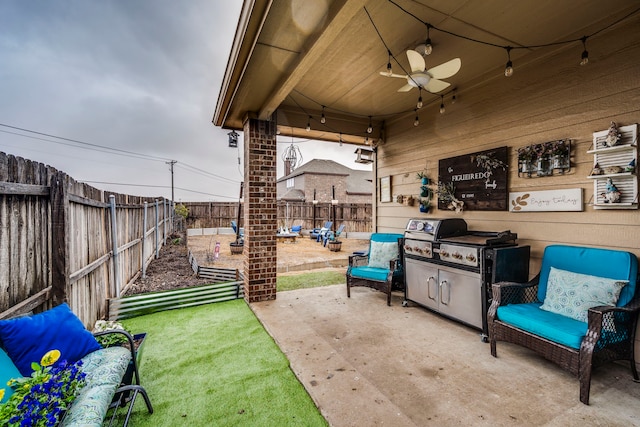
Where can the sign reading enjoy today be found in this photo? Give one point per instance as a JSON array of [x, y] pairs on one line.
[[568, 200]]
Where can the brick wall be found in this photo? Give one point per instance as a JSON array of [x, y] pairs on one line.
[[260, 210]]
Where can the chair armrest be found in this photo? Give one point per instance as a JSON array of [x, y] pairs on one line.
[[131, 347], [358, 260], [512, 293], [611, 325]]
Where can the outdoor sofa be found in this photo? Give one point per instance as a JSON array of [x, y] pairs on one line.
[[579, 312], [112, 378]]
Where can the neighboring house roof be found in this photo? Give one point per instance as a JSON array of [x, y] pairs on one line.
[[319, 166], [359, 182], [293, 195]]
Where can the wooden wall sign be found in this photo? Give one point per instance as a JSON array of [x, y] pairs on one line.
[[480, 179], [567, 200]]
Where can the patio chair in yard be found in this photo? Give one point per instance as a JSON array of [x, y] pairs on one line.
[[381, 268], [330, 235], [317, 233], [235, 229]]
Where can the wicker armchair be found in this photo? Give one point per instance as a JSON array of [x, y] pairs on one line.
[[381, 268], [608, 334]]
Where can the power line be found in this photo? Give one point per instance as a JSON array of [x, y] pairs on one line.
[[156, 186], [150, 157]]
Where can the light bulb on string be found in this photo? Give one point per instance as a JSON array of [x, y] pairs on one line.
[[419, 104], [508, 69], [370, 128], [416, 122], [453, 98], [428, 48], [441, 104], [323, 119], [309, 124], [585, 54], [389, 70]]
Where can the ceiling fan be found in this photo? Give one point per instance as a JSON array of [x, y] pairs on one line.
[[426, 79]]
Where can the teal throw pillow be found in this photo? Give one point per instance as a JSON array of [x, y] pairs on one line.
[[27, 339], [573, 294], [381, 253]]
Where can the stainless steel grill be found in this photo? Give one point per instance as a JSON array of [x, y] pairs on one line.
[[449, 269]]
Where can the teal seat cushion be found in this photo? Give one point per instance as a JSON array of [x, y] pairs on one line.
[[8, 371], [552, 326], [370, 273], [105, 369]]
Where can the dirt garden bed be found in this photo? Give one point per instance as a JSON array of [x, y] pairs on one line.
[[172, 269]]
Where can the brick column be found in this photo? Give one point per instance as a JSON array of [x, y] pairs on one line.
[[260, 210]]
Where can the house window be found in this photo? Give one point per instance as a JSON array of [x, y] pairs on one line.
[[290, 182]]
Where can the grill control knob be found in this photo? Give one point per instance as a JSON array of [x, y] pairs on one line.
[[427, 252], [457, 255], [407, 248], [418, 249], [471, 258], [444, 254]]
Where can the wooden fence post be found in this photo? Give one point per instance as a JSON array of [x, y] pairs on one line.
[[114, 243], [164, 221], [144, 240], [157, 236], [59, 237]]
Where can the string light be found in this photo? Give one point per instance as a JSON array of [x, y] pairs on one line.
[[441, 104], [389, 70], [453, 98], [323, 119], [309, 124], [416, 122], [370, 128], [585, 54], [427, 44], [419, 104], [508, 69]]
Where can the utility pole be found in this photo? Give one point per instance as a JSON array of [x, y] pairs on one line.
[[171, 163]]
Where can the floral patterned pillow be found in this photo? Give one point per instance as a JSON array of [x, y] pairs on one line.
[[573, 294], [381, 253]]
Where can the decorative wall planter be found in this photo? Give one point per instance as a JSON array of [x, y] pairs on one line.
[[546, 159]]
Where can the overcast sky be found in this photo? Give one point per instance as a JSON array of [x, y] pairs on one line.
[[140, 76]]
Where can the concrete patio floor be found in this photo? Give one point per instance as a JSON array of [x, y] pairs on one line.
[[367, 364]]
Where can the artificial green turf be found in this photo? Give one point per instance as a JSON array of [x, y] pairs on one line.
[[215, 365], [309, 280]]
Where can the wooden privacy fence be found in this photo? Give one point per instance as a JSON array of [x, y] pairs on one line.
[[355, 216], [61, 240]]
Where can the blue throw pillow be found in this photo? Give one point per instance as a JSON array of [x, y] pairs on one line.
[[27, 339], [8, 371]]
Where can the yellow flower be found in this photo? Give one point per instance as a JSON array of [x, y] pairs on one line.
[[50, 358], [1, 393]]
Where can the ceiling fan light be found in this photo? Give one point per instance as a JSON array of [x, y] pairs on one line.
[[421, 49], [508, 69]]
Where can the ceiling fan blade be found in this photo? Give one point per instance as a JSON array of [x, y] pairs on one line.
[[445, 70], [384, 73], [436, 85], [416, 61], [405, 88]]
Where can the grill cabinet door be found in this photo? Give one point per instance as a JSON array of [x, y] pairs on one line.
[[461, 295], [422, 283]]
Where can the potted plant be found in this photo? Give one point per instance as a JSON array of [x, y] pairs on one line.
[[425, 205], [560, 153], [422, 176], [526, 157], [334, 245]]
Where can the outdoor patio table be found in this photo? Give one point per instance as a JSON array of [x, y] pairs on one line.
[[287, 237]]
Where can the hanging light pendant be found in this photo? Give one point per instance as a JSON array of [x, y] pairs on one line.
[[370, 128], [416, 122], [309, 124], [508, 69], [323, 119], [441, 104], [389, 70], [585, 53]]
